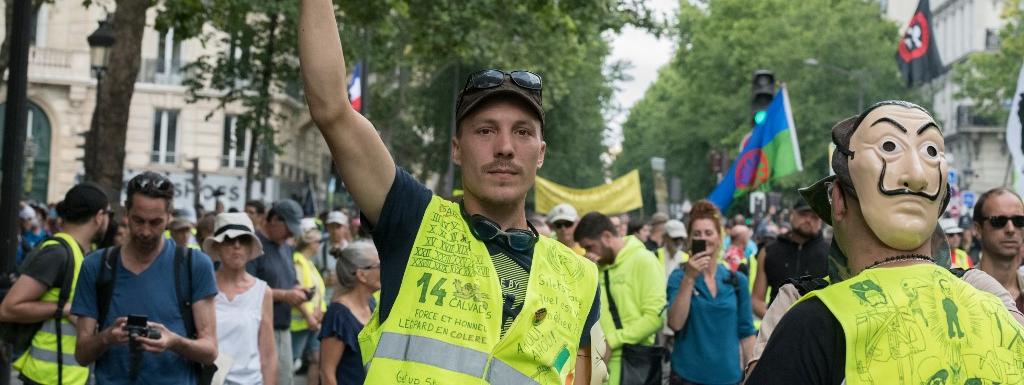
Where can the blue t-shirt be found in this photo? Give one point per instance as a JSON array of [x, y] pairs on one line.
[[396, 231], [277, 268], [152, 294], [707, 348], [340, 323]]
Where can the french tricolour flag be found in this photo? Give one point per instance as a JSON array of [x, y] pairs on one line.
[[355, 88]]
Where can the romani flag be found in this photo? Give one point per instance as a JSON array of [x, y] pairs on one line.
[[355, 88], [771, 151], [917, 55]]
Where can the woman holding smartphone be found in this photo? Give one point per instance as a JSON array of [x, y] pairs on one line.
[[709, 308]]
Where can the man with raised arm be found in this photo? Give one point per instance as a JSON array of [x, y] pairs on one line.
[[469, 293]]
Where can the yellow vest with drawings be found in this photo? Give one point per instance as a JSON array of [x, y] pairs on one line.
[[39, 362], [307, 276], [920, 324], [445, 325]]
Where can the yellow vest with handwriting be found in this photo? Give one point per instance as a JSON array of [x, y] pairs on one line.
[[920, 324], [39, 362], [445, 325]]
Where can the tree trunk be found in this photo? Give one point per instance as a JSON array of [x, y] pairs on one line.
[[105, 142], [263, 132]]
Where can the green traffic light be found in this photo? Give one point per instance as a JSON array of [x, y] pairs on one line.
[[759, 116]]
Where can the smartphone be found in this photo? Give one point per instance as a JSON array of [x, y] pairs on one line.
[[697, 246]]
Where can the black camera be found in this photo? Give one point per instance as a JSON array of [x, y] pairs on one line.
[[138, 326]]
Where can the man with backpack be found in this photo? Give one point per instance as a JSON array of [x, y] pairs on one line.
[[36, 307], [146, 310]]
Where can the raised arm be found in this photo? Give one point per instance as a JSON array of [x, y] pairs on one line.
[[360, 156], [757, 297]]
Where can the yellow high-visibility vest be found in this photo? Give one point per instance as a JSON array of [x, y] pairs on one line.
[[920, 324], [308, 276], [39, 362], [445, 325]]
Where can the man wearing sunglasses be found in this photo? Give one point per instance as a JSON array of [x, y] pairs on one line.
[[562, 219], [999, 223], [469, 293]]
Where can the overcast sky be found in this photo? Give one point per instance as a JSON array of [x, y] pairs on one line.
[[645, 54]]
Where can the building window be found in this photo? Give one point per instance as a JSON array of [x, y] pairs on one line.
[[236, 144], [168, 58], [165, 134], [991, 39]]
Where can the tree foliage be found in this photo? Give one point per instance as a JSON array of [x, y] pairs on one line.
[[989, 78], [701, 99], [418, 54]]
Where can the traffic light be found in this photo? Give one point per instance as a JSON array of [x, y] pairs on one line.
[[763, 92]]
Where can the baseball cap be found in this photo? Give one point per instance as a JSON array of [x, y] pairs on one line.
[[82, 201], [472, 97], [178, 224], [337, 217], [675, 229], [231, 226], [308, 224], [950, 226], [801, 205], [659, 218], [562, 212], [291, 214]]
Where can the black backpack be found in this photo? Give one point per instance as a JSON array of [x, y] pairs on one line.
[[182, 260], [20, 335]]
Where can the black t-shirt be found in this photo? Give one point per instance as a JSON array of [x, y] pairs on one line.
[[785, 259], [46, 265], [807, 347], [396, 231]]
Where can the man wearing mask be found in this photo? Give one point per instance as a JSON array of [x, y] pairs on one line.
[[798, 253], [672, 254], [46, 272]]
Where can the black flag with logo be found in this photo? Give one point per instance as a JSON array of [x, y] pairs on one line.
[[917, 55]]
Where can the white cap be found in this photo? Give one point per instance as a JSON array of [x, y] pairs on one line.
[[27, 213], [307, 224], [675, 229], [231, 226], [337, 217], [950, 226], [562, 212]]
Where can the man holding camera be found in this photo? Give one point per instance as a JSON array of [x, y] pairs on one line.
[[163, 291]]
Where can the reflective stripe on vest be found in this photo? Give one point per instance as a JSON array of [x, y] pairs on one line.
[[920, 323], [503, 374], [66, 330], [51, 356], [432, 352]]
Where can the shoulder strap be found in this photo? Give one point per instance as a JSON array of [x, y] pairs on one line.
[[105, 283], [807, 284], [184, 295], [69, 275], [958, 272], [611, 301]]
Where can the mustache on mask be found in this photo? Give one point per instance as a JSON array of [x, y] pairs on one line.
[[906, 191]]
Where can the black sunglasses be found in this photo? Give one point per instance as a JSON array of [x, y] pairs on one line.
[[562, 224], [492, 78], [487, 230], [999, 221], [149, 183]]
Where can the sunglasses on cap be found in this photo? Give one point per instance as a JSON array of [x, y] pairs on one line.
[[999, 221], [491, 78], [487, 230], [150, 182]]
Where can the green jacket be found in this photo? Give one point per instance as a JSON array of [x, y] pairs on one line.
[[638, 286]]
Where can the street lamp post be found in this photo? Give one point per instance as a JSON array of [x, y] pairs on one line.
[[100, 42], [854, 75]]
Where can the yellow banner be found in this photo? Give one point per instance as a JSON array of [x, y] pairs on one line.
[[619, 196]]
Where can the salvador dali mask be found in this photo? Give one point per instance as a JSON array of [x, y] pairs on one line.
[[898, 170]]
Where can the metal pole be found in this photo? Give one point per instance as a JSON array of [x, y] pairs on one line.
[[12, 161], [196, 189]]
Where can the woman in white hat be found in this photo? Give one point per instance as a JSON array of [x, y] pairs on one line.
[[245, 330]]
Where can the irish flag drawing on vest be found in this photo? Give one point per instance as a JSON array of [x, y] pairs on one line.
[[771, 151]]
